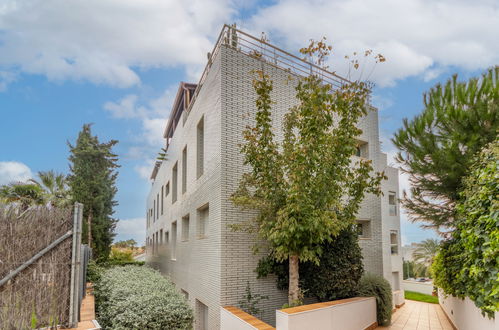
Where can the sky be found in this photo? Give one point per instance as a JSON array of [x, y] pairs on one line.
[[117, 64]]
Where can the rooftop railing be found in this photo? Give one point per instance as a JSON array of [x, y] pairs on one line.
[[264, 51]]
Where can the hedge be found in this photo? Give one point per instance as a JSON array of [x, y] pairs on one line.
[[133, 297], [372, 285]]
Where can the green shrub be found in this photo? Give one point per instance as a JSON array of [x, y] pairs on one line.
[[467, 265], [132, 297], [335, 277], [371, 285], [93, 271]]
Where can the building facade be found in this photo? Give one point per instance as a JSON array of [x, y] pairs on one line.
[[189, 211]]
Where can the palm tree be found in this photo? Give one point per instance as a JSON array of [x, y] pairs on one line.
[[24, 194], [54, 186], [424, 253]]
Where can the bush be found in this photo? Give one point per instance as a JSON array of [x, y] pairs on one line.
[[467, 264], [337, 275], [376, 286], [132, 297]]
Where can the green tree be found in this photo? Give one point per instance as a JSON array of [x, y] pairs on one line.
[[93, 182], [23, 194], [467, 265], [305, 189], [438, 146], [129, 243], [54, 186], [423, 255]]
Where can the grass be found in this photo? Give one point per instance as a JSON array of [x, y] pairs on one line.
[[411, 295]]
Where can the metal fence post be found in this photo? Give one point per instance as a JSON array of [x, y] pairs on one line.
[[74, 305]]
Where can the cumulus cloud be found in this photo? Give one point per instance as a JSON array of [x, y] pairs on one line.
[[14, 172], [105, 41], [418, 37], [131, 229]]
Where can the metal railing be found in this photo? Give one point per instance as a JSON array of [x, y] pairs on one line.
[[264, 51]]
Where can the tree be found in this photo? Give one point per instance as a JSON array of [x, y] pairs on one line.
[[305, 189], [336, 276], [424, 253], [129, 243], [54, 186], [93, 182], [437, 147], [467, 264], [24, 194]]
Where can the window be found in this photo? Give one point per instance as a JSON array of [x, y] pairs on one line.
[[185, 228], [157, 205], [154, 215], [185, 293], [394, 246], [162, 195], [167, 237], [184, 170], [364, 228], [202, 221], [362, 150], [200, 148], [201, 316], [161, 237], [174, 183], [392, 203], [167, 189], [174, 241]]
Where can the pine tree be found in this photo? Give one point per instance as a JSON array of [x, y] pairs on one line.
[[438, 146], [93, 182]]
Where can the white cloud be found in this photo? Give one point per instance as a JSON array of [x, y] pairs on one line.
[[14, 172], [131, 229], [105, 41], [418, 37]]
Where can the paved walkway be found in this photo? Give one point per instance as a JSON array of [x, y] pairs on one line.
[[87, 313], [415, 315]]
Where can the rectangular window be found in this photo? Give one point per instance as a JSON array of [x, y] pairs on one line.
[[167, 237], [185, 228], [394, 246], [184, 170], [161, 237], [362, 149], [154, 208], [202, 221], [174, 241], [200, 148], [167, 189], [162, 199], [157, 205], [392, 203], [201, 316], [174, 182], [364, 228]]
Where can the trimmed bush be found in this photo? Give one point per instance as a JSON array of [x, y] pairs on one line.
[[132, 297], [371, 285]]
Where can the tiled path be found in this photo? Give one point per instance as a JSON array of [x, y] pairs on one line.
[[87, 313], [415, 315]]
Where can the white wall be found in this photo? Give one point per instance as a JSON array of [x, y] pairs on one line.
[[465, 315], [229, 321], [351, 315], [421, 287]]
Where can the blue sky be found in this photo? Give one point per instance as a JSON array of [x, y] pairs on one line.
[[117, 64]]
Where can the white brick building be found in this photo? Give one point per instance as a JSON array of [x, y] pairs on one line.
[[189, 207]]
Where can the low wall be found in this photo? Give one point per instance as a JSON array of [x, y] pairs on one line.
[[398, 298], [346, 314], [232, 318], [465, 315], [421, 287]]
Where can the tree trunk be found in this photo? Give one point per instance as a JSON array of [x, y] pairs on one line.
[[294, 289], [89, 225]]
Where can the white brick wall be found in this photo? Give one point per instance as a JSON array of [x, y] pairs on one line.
[[215, 269]]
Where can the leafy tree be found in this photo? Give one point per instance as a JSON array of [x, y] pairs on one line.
[[24, 194], [437, 147], [305, 189], [468, 263], [424, 253], [129, 243], [54, 186], [336, 276], [92, 182]]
